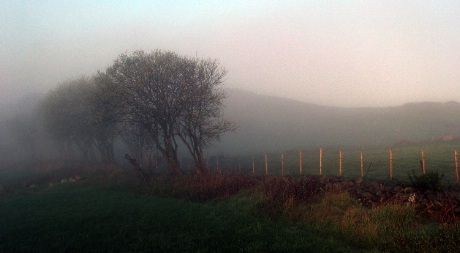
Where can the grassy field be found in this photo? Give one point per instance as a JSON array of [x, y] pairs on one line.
[[86, 218], [106, 210], [439, 157]]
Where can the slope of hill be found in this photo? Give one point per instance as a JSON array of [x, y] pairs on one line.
[[268, 123]]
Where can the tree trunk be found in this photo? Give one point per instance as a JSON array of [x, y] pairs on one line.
[[200, 164], [170, 153]]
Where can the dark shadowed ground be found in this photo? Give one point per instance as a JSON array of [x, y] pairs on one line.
[[83, 218]]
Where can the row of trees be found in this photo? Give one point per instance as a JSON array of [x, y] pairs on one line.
[[153, 102]]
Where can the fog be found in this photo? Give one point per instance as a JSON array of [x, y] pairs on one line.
[[343, 53], [229, 125], [310, 63]]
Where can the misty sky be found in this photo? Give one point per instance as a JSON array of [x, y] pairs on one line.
[[346, 53]]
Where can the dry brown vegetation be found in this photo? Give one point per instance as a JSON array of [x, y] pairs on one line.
[[386, 215]]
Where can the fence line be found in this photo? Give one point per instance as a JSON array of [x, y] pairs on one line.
[[282, 164], [341, 163], [390, 163], [300, 162], [266, 164], [423, 161], [354, 163], [253, 166], [457, 172], [321, 156]]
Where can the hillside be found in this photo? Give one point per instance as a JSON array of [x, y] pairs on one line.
[[268, 123]]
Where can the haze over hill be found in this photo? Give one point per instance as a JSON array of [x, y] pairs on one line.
[[267, 123], [328, 53]]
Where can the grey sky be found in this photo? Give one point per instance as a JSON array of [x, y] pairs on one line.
[[346, 53]]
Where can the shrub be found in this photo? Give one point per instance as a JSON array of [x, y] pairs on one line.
[[429, 181], [282, 189], [331, 208], [281, 195]]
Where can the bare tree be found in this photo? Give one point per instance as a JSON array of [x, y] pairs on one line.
[[106, 113], [202, 121], [85, 113], [153, 100], [153, 96], [67, 115], [167, 98], [138, 142]]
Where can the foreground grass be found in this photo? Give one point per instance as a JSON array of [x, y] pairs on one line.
[[389, 227], [85, 218], [105, 212]]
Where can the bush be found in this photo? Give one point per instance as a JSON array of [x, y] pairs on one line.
[[282, 189], [283, 194], [429, 181]]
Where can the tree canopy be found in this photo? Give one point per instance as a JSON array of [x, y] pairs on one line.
[[153, 101]]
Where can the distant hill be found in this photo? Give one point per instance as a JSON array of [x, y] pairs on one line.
[[269, 123]]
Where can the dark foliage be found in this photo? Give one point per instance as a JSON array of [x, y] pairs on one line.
[[282, 189], [430, 181], [285, 192]]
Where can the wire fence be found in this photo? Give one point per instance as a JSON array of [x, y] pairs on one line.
[[391, 163]]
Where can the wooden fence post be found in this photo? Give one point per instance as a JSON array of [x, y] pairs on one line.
[[390, 163], [423, 161], [253, 166], [266, 164], [340, 163], [362, 164], [282, 164], [217, 165], [320, 161], [300, 162], [457, 172]]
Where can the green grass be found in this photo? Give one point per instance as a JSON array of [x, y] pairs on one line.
[[85, 218], [97, 214], [439, 157]]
